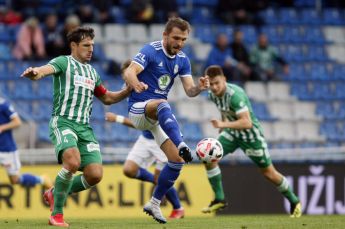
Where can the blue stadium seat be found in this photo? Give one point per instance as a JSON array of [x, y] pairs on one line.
[[272, 33], [339, 72], [191, 131], [310, 17], [318, 71], [270, 16], [314, 35], [43, 132], [205, 33], [292, 34], [316, 53], [294, 53], [332, 17], [289, 16]]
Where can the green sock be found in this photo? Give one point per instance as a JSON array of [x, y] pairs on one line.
[[285, 189], [215, 179], [63, 184], [79, 184]]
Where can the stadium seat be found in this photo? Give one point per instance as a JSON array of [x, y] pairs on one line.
[[156, 32], [310, 17], [116, 51], [288, 16], [136, 33], [256, 91], [281, 110], [133, 49], [201, 50], [268, 131], [279, 91], [115, 33], [305, 111], [209, 111], [285, 131], [332, 16], [188, 108]]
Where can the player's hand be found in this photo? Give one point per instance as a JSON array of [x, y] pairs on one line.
[[110, 117], [31, 73], [140, 87], [204, 83], [217, 123]]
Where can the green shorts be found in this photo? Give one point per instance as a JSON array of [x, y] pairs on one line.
[[68, 134], [256, 150]]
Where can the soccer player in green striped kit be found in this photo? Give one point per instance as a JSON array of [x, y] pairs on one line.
[[240, 129], [75, 84]]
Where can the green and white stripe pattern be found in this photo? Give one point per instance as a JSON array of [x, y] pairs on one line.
[[233, 102], [74, 85]]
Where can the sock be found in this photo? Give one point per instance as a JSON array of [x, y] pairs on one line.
[[63, 184], [285, 189], [167, 178], [215, 179], [79, 184], [168, 123], [144, 175], [173, 198], [29, 180]]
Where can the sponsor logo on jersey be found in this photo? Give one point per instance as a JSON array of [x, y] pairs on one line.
[[164, 81], [140, 57], [92, 147], [81, 81], [160, 64]]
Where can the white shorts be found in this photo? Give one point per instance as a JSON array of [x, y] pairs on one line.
[[10, 160], [141, 122], [145, 152]]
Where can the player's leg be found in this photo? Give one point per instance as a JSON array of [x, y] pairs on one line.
[[139, 159], [13, 165], [160, 110], [214, 175], [258, 153], [64, 138], [91, 162], [171, 195], [282, 185]]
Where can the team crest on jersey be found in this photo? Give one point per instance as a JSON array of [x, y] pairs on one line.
[[176, 69], [164, 81]]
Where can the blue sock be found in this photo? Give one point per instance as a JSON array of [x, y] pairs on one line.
[[29, 180], [168, 123], [167, 178], [144, 175], [173, 198]]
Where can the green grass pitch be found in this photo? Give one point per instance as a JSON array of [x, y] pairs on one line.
[[231, 221]]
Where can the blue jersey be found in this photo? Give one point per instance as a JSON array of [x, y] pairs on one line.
[[7, 143], [147, 134], [159, 71]]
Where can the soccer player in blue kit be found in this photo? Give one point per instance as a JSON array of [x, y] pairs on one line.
[[151, 75], [9, 157]]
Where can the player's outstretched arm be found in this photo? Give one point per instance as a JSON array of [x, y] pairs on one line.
[[130, 75], [193, 90], [243, 122], [112, 117], [111, 97], [36, 73]]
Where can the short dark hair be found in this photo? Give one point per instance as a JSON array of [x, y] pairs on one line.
[[177, 22], [125, 65], [214, 70], [80, 33]]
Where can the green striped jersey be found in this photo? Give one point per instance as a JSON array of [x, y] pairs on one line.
[[74, 85], [233, 102]]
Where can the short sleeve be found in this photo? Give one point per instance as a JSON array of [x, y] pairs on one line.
[[144, 56], [238, 103], [186, 69], [59, 64], [9, 110]]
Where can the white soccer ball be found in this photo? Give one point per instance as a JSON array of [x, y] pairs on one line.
[[209, 150]]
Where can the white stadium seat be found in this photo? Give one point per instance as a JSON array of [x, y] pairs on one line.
[[256, 91]]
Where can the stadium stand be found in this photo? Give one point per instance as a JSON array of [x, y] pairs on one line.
[[305, 107]]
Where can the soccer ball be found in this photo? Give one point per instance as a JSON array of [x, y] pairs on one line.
[[209, 150]]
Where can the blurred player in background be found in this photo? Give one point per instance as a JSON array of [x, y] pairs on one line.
[[144, 153], [151, 75], [9, 156], [240, 129], [75, 84]]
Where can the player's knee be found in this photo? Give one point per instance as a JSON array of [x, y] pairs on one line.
[[94, 178], [129, 171]]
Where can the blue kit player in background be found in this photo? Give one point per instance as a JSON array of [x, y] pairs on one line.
[[151, 75], [9, 157]]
